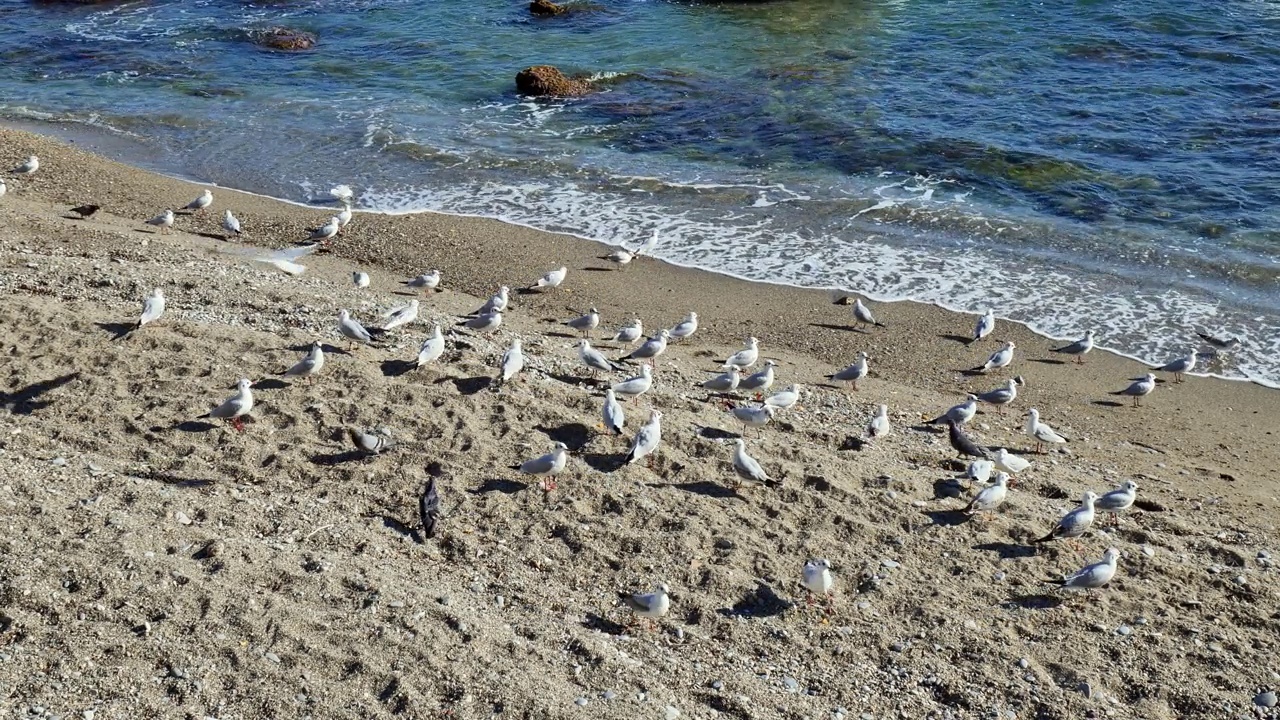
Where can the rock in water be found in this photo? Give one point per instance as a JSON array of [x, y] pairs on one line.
[[546, 8], [548, 81], [282, 38]]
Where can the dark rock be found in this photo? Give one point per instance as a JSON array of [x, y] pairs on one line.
[[546, 8], [282, 38], [548, 81]]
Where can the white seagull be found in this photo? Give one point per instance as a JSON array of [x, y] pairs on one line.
[[686, 327], [647, 439], [164, 220], [200, 203], [986, 324], [230, 223], [235, 407], [551, 279], [432, 348], [1079, 348], [1041, 431], [152, 308], [1000, 358], [309, 365], [1139, 389], [746, 357]]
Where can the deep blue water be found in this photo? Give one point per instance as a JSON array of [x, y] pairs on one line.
[[1075, 165]]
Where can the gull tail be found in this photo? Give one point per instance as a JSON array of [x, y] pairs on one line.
[[1047, 538]]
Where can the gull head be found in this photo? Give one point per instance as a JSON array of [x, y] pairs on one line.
[[1150, 377], [1089, 334], [752, 342], [1089, 497], [1130, 485], [1034, 415], [820, 562], [655, 414], [1002, 479], [344, 315], [664, 333], [243, 385], [692, 316], [516, 344], [1111, 555], [559, 447], [1009, 345], [884, 409], [662, 588]]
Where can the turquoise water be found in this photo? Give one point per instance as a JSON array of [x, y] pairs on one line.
[[1080, 165]]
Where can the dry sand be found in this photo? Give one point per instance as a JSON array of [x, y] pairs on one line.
[[157, 565]]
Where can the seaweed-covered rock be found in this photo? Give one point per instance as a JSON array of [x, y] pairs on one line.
[[282, 38], [548, 81], [546, 8]]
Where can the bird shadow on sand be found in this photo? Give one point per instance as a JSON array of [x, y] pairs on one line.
[[499, 485], [25, 400], [704, 488], [469, 386], [713, 433], [1108, 403], [117, 331], [599, 269], [396, 368], [947, 518], [211, 236], [970, 372], [1034, 601], [947, 488], [603, 624], [575, 380], [759, 603], [326, 347], [852, 443], [339, 458], [558, 334], [1007, 551], [604, 462], [174, 480], [527, 291], [962, 339], [394, 524], [270, 384], [573, 435], [1047, 361], [846, 328], [193, 426]]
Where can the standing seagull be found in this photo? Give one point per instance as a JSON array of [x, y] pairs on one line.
[[547, 466], [1092, 576], [1001, 396], [486, 323], [958, 414], [650, 606], [352, 330], [512, 362], [748, 468], [152, 308], [593, 358], [427, 281], [231, 224], [1000, 358], [1139, 389], [308, 366], [1006, 461], [1180, 366], [863, 315], [200, 203], [324, 232], [785, 398], [401, 316], [27, 168], [1118, 500], [652, 348], [686, 327], [746, 357], [628, 334], [620, 257], [636, 386], [817, 578], [646, 441], [990, 497], [344, 216], [756, 416], [585, 323], [724, 382], [853, 373], [1041, 431], [432, 348], [236, 407], [1075, 523], [164, 221], [360, 279], [614, 418], [1079, 348], [879, 425], [497, 303], [986, 324], [760, 381], [551, 280]]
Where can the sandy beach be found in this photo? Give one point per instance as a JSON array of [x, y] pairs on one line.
[[155, 564]]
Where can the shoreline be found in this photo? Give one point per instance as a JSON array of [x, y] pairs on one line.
[[92, 132], [276, 572]]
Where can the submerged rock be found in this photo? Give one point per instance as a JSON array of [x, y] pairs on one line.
[[546, 8], [282, 38], [547, 80]]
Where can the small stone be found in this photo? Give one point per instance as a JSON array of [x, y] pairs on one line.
[[671, 713], [88, 714], [889, 563], [1124, 630], [1086, 690], [897, 647], [581, 702], [1241, 580], [864, 605], [59, 461], [609, 695], [1024, 663], [1266, 699], [182, 518], [717, 684], [445, 600], [1141, 621], [790, 684], [272, 657], [1148, 551], [1264, 555]]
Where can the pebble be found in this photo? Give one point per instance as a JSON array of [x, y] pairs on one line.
[[864, 605], [272, 657], [889, 563], [1124, 630], [59, 461], [396, 604], [791, 684], [1140, 621], [717, 684], [672, 713], [1266, 699], [445, 600], [1024, 663], [609, 695], [182, 518], [581, 702], [1264, 555], [501, 601], [1086, 690], [1148, 551]]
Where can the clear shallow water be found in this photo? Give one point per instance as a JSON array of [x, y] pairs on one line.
[[1090, 165]]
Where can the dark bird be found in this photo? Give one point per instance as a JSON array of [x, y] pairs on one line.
[[429, 508], [1221, 343], [85, 211], [963, 445]]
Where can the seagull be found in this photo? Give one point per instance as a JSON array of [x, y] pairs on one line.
[[84, 211], [785, 398], [593, 358], [649, 605], [551, 279], [512, 362], [754, 415], [5, 188], [344, 216], [1008, 462], [369, 443], [759, 381], [352, 330], [1000, 358], [686, 327], [284, 260], [1139, 389], [1075, 523], [853, 373], [817, 578], [341, 193], [1118, 500], [429, 508], [958, 414], [30, 166], [725, 382], [748, 468], [986, 324], [746, 357], [585, 323], [401, 316], [1001, 396], [979, 470], [200, 203], [636, 386], [1079, 348], [879, 425], [989, 498], [628, 334], [231, 224], [432, 348], [236, 407], [324, 232], [963, 444], [614, 419], [488, 322], [360, 279], [428, 281], [648, 245], [652, 348], [547, 466], [1092, 576], [863, 315], [1041, 431], [1220, 343], [164, 220], [497, 303], [647, 439], [1179, 366], [308, 365], [620, 257], [152, 308]]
